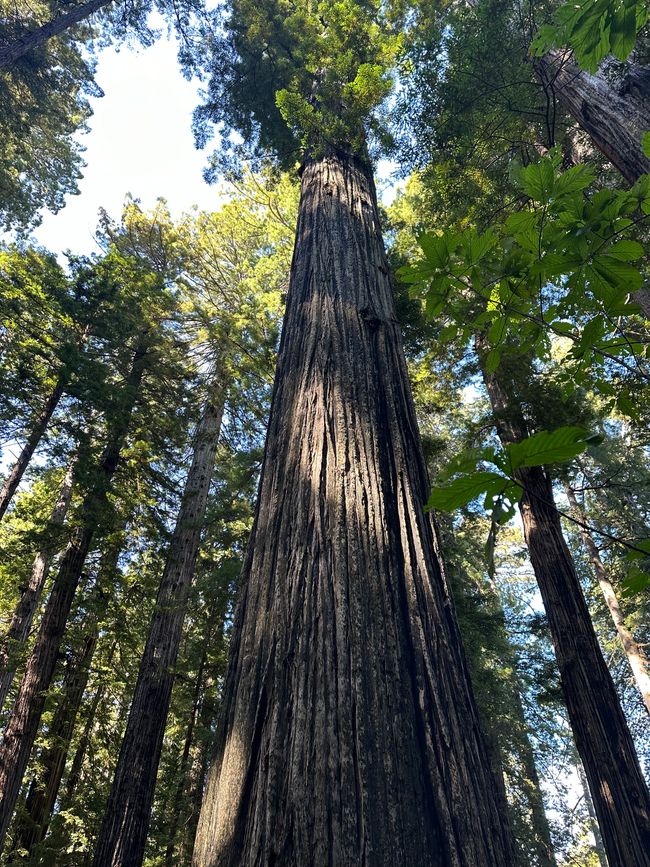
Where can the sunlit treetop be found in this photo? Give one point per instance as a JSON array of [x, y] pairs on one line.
[[297, 76]]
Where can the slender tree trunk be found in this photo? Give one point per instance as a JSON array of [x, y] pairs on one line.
[[23, 616], [13, 51], [591, 812], [602, 737], [634, 652], [74, 775], [123, 834], [349, 734], [183, 766], [38, 429], [614, 123], [531, 786], [44, 788], [22, 728]]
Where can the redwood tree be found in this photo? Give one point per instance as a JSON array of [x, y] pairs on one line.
[[22, 727], [348, 732], [618, 789], [123, 834]]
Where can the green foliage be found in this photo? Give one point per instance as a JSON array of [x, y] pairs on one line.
[[594, 29], [537, 450], [561, 270], [295, 77], [44, 105]]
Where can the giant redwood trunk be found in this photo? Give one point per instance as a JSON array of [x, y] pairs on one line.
[[349, 735], [13, 51], [22, 728], [615, 123], [633, 650], [603, 740], [23, 616], [39, 425], [123, 833]]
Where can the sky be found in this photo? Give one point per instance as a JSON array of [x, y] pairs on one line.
[[140, 142]]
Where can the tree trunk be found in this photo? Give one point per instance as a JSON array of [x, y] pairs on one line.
[[196, 781], [183, 766], [591, 812], [23, 616], [614, 123], [22, 727], [601, 734], [44, 788], [349, 734], [13, 51], [634, 652], [76, 765], [123, 834], [530, 784], [38, 429]]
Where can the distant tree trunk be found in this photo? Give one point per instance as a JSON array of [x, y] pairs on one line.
[[602, 737], [196, 783], [591, 812], [23, 616], [44, 788], [634, 652], [532, 789], [22, 727], [123, 834], [13, 51], [614, 123], [349, 734], [183, 766], [38, 429], [74, 775]]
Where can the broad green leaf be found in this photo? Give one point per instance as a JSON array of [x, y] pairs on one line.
[[435, 249], [636, 581], [643, 546], [547, 447], [626, 251], [493, 359], [537, 180], [645, 144], [464, 489]]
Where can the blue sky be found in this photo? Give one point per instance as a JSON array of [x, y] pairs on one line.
[[140, 142]]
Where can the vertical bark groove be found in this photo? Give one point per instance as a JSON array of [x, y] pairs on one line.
[[348, 734], [614, 123]]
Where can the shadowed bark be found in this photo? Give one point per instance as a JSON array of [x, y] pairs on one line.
[[349, 735], [603, 740], [44, 788], [123, 834], [22, 728], [614, 123]]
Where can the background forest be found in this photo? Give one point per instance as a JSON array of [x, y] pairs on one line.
[[136, 383]]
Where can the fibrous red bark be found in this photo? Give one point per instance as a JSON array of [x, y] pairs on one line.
[[349, 734]]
